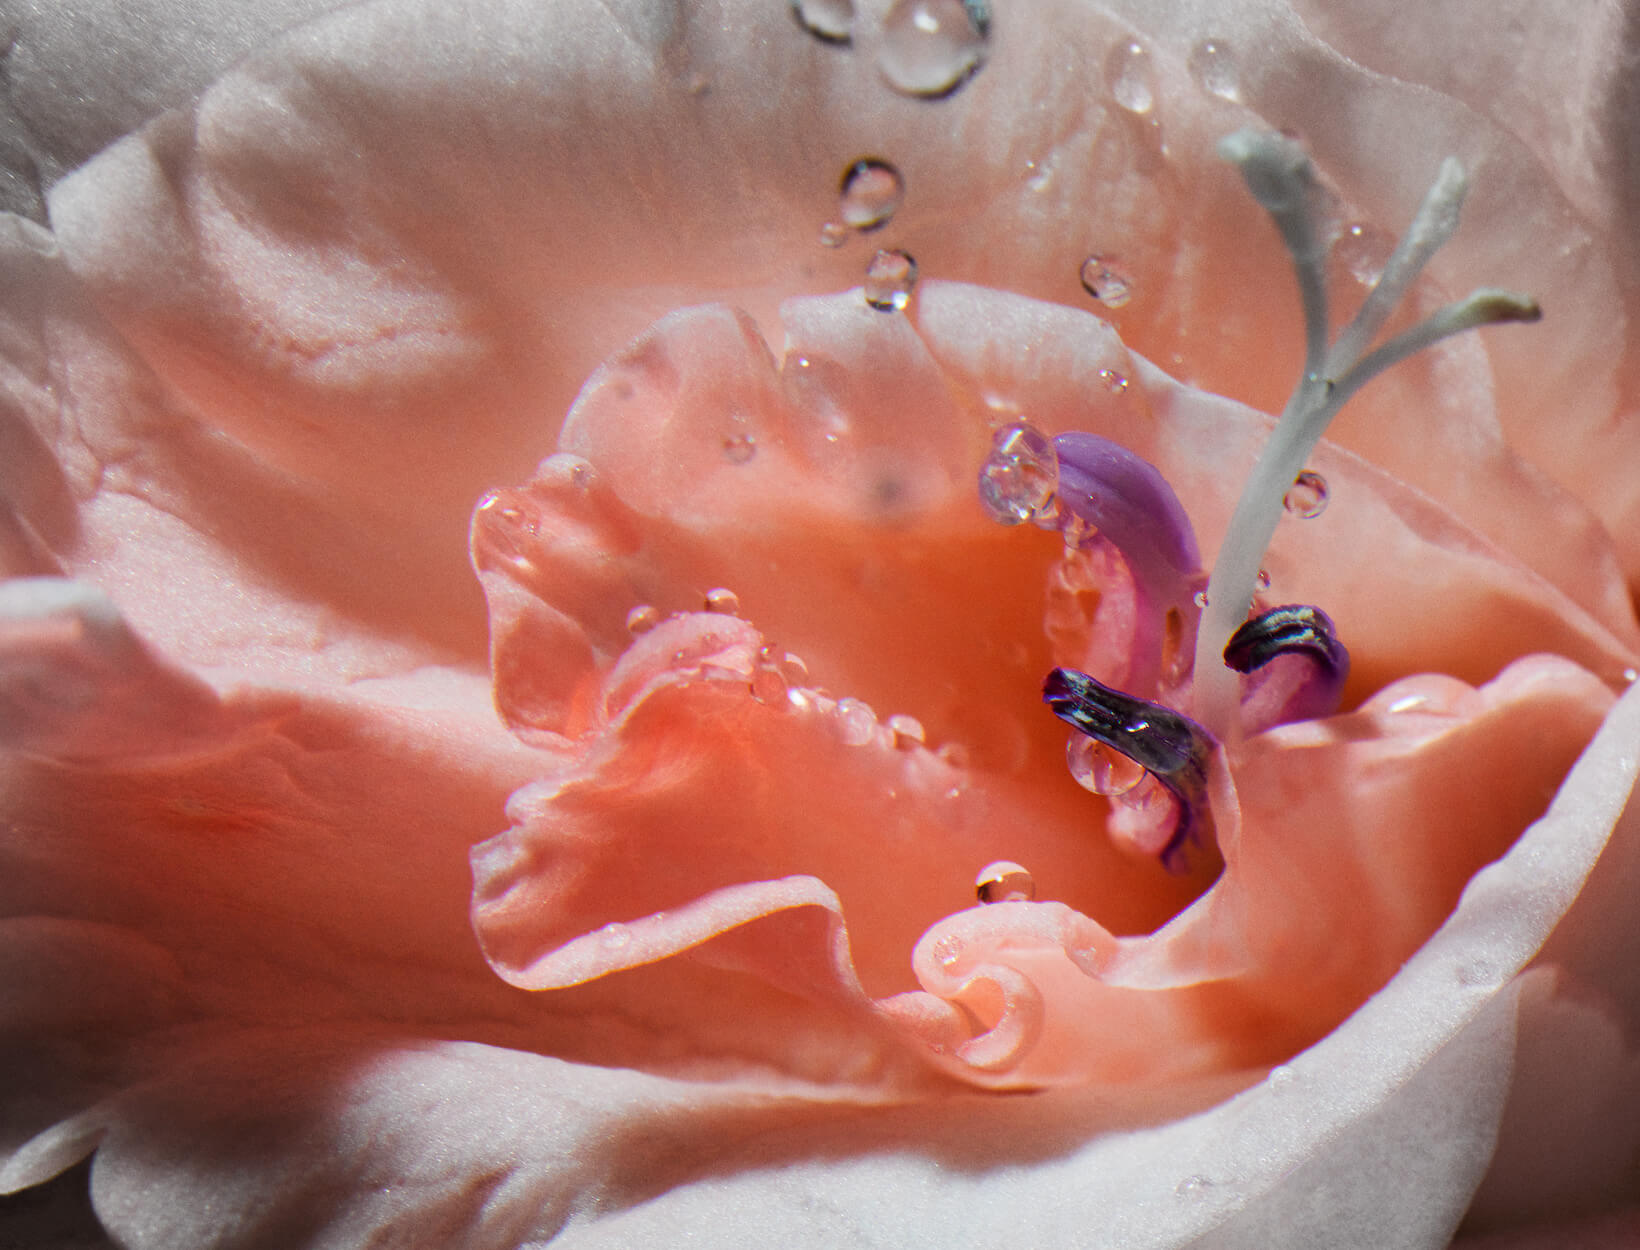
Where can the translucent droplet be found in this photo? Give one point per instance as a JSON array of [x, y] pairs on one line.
[[1106, 283], [1101, 769], [889, 279], [1363, 249], [1408, 703], [1307, 496], [615, 936], [947, 950], [1281, 1077], [1004, 882], [739, 448], [1114, 382], [642, 619], [833, 234], [1131, 77], [1213, 65], [1199, 598], [931, 47], [793, 669], [1262, 581], [722, 599], [769, 687], [907, 730], [856, 722], [1018, 479], [871, 192], [1631, 675], [828, 20], [1195, 1187]]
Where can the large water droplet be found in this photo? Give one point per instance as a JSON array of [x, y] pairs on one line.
[[889, 279], [1100, 768], [830, 20], [1018, 479], [642, 619], [931, 47], [871, 192], [1105, 282], [856, 722], [1213, 65], [1307, 496], [1004, 882], [1131, 76]]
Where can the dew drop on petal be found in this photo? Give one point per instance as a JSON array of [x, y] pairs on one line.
[[721, 599], [871, 192], [1018, 479], [1199, 598], [1262, 581], [642, 619], [1194, 1187], [828, 20], [1114, 382], [1281, 1077], [833, 234], [890, 276], [931, 47], [792, 668], [1106, 283], [947, 950], [1631, 675], [1213, 65], [769, 687], [1306, 498], [1004, 882], [1131, 77], [856, 722], [1101, 769], [739, 448], [615, 936], [907, 730], [1363, 249]]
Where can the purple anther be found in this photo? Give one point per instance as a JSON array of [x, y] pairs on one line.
[[1296, 666]]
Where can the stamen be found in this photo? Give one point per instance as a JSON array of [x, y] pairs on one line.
[[1282, 179], [1301, 666], [1170, 746]]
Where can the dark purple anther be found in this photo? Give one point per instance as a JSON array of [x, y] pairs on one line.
[[1129, 502], [1298, 666], [1172, 747]]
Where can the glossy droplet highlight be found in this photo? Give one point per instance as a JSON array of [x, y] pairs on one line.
[[1105, 282], [831, 21], [642, 619], [932, 47], [722, 599], [871, 192], [1101, 769], [948, 950], [1363, 250], [833, 234], [1194, 1187], [768, 687], [1114, 382], [1131, 77], [856, 722], [738, 448], [615, 936], [1018, 479], [890, 277], [1213, 65], [1306, 498], [1004, 882], [907, 730]]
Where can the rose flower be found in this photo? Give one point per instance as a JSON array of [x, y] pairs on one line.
[[629, 623]]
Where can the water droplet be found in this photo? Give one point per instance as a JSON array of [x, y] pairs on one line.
[[1131, 76], [1105, 283], [889, 279], [1199, 598], [1262, 581], [1018, 479], [721, 599], [1100, 768], [1631, 675], [931, 47], [947, 950], [1004, 882], [1114, 382], [769, 687], [833, 234], [1307, 496], [642, 619], [1213, 65], [907, 730], [1363, 249], [871, 192], [829, 20], [856, 721], [1195, 1187], [793, 669], [1281, 1077], [739, 448], [615, 936], [1142, 797]]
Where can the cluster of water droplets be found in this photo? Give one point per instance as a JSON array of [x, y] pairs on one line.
[[926, 48]]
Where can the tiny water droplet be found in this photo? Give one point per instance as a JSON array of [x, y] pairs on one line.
[[793, 669], [833, 234], [1018, 479], [1363, 249], [1105, 283], [871, 192], [1281, 1077], [642, 619], [947, 950], [1262, 581], [907, 730], [580, 476], [931, 47], [722, 599], [1101, 769], [1114, 382], [1306, 498], [1213, 65], [739, 448], [1131, 77], [831, 21], [1199, 598], [1195, 1187], [769, 687], [1631, 675], [615, 936], [889, 279], [856, 722], [1004, 882]]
